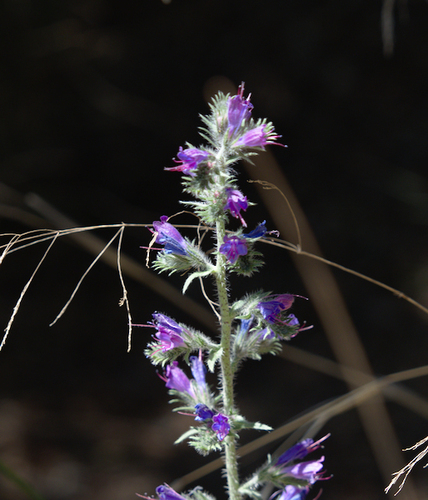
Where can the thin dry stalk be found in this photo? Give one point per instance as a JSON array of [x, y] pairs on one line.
[[408, 468], [97, 258], [24, 291]]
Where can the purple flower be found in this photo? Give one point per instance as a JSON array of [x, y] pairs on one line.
[[165, 492], [233, 247], [285, 299], [296, 452], [300, 450], [236, 202], [292, 320], [238, 110], [258, 232], [198, 371], [169, 332], [258, 137], [310, 470], [190, 159], [245, 325], [307, 471], [169, 236], [266, 334], [272, 309], [220, 426], [177, 380], [244, 328], [291, 492], [202, 412]]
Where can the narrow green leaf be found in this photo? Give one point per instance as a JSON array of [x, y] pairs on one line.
[[213, 357], [186, 435], [197, 274]]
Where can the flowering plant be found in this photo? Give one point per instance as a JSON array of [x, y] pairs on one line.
[[249, 327]]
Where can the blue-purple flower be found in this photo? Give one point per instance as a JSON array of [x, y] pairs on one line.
[[199, 371], [310, 470], [246, 324], [165, 492], [169, 332], [168, 236], [272, 309], [233, 247], [203, 413], [258, 137], [238, 110], [189, 160], [220, 426], [300, 450], [177, 380], [293, 321], [266, 334], [244, 328], [236, 202], [258, 232], [291, 492], [220, 423]]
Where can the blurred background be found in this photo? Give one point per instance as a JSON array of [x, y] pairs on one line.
[[96, 97]]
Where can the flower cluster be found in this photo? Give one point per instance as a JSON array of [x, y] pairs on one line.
[[220, 423], [195, 394], [249, 327], [301, 475], [238, 113]]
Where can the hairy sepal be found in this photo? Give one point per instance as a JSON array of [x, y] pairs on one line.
[[240, 422]]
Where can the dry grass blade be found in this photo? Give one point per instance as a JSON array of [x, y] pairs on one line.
[[97, 258], [405, 471], [24, 290], [124, 299]]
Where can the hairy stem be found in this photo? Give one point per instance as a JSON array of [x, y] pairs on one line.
[[226, 368]]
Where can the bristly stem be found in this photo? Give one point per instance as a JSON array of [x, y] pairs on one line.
[[226, 367]]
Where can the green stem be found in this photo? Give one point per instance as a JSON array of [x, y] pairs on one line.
[[226, 368]]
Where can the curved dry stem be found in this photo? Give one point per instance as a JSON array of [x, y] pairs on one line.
[[24, 291], [124, 299], [269, 185], [24, 240], [27, 239], [97, 258]]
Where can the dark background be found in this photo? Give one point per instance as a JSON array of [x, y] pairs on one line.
[[96, 97]]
